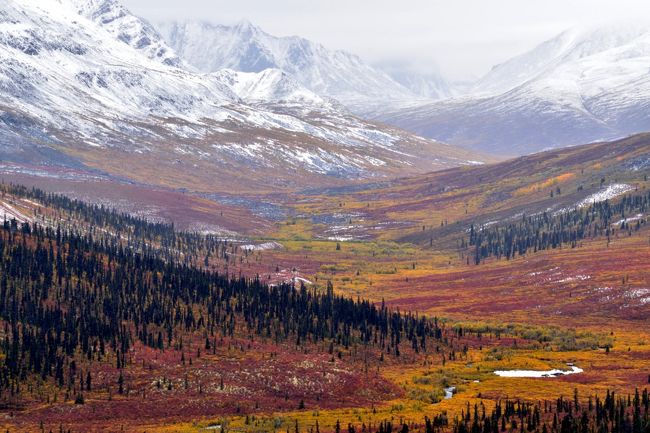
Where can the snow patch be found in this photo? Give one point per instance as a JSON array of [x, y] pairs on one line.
[[262, 247], [629, 219], [607, 193], [9, 212]]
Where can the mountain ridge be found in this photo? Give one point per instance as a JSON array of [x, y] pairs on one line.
[[332, 73], [73, 92]]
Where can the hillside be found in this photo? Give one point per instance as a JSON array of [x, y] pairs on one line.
[[494, 192]]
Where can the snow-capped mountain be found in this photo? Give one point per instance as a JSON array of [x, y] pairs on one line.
[[75, 90], [586, 56], [581, 86], [336, 74]]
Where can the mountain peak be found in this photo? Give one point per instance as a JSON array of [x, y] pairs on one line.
[[97, 8], [246, 27], [571, 45], [270, 86], [116, 19]]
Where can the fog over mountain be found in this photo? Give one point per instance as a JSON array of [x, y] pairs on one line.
[[586, 84], [462, 39]]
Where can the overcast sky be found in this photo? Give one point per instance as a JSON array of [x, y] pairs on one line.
[[462, 38]]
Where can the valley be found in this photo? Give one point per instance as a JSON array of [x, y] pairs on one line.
[[398, 245], [207, 226]]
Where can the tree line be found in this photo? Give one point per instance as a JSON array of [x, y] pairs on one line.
[[548, 230], [612, 413]]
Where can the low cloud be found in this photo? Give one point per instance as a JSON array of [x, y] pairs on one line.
[[462, 38]]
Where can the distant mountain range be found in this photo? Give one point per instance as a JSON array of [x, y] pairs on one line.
[[85, 83], [336, 74], [581, 86]]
